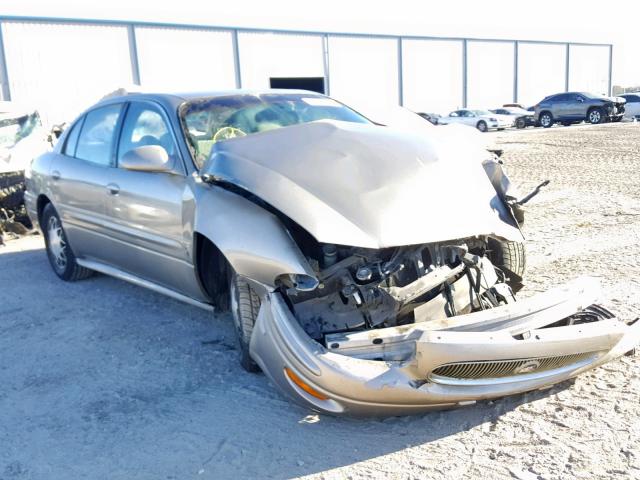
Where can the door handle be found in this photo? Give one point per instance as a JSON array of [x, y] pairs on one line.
[[55, 175], [113, 189]]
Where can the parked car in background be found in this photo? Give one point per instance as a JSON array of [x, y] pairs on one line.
[[632, 107], [575, 107], [432, 117], [483, 120], [523, 118], [364, 266]]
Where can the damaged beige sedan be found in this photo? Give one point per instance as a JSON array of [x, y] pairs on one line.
[[369, 270]]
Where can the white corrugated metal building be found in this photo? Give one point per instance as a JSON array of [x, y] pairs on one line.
[[62, 66]]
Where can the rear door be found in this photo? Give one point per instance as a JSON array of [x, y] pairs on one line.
[[151, 213], [80, 177]]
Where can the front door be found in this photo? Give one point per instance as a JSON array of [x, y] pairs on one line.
[[151, 212]]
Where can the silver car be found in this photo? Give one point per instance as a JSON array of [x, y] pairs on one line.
[[368, 270], [483, 120]]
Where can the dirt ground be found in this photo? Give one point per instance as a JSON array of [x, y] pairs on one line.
[[103, 380]]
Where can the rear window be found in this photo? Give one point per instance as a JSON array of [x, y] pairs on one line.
[[95, 144]]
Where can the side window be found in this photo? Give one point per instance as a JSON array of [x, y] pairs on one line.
[[144, 125], [454, 114], [72, 139], [95, 144]]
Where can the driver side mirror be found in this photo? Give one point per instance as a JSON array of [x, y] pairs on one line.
[[148, 158], [580, 99]]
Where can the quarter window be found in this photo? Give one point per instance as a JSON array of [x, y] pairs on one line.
[[95, 144], [144, 125], [72, 139]]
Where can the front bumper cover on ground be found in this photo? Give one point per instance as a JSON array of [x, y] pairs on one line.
[[431, 365]]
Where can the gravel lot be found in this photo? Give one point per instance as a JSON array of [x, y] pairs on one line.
[[101, 379]]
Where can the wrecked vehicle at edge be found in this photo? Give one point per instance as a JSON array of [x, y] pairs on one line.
[[22, 138], [360, 262]]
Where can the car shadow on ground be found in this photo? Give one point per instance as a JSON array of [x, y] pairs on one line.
[[108, 380]]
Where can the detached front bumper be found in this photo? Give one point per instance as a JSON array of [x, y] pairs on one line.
[[438, 364]]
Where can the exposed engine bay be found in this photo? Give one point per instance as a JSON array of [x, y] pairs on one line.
[[361, 289]]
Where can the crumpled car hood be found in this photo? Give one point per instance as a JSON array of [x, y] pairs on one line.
[[366, 185]]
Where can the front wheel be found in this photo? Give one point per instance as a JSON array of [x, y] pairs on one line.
[[245, 304], [595, 115], [511, 258], [482, 126], [61, 257]]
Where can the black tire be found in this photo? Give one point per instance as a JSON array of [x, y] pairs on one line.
[[245, 305], [11, 190], [546, 119], [10, 179], [595, 115], [616, 119], [482, 126], [57, 248], [521, 123], [511, 258]]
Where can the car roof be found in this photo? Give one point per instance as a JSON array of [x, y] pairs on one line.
[[177, 98]]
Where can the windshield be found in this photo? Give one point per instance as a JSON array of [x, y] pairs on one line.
[[481, 112], [14, 129], [210, 120]]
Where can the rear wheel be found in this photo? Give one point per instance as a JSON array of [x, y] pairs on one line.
[[245, 304], [520, 123], [61, 257], [595, 115], [546, 119], [511, 258], [482, 126]]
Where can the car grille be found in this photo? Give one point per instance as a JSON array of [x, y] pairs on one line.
[[507, 368]]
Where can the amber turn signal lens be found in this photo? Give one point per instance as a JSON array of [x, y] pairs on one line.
[[298, 381]]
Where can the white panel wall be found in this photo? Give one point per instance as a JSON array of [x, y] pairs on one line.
[[266, 55], [490, 72], [589, 69], [183, 60], [541, 71], [432, 75], [363, 71], [62, 69]]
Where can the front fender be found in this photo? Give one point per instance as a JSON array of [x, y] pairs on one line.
[[254, 242]]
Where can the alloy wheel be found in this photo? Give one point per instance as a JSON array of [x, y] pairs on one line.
[[57, 243]]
